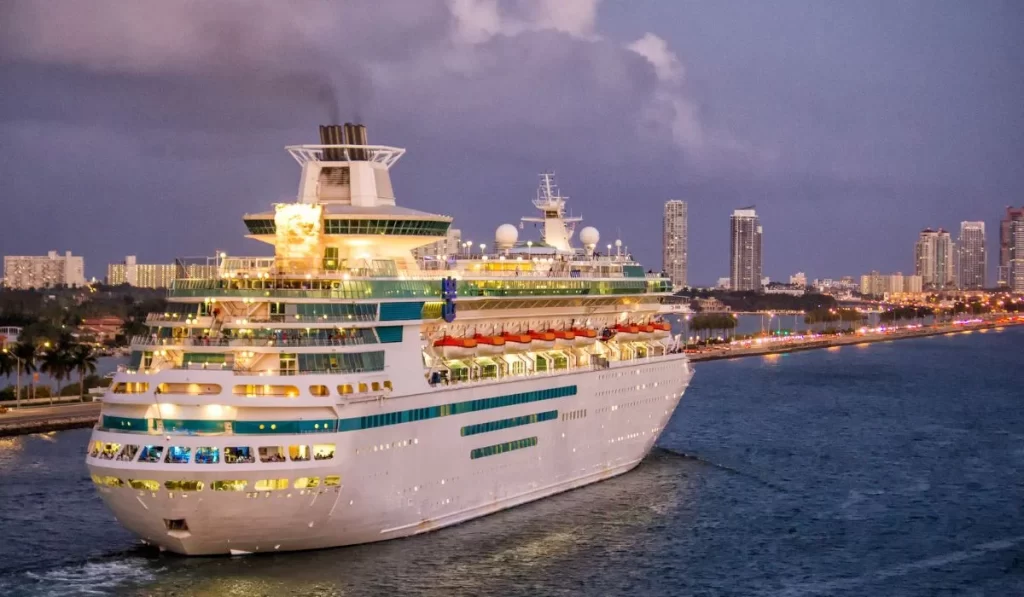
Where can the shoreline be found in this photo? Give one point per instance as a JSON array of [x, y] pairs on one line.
[[718, 354]]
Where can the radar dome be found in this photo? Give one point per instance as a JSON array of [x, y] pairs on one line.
[[506, 236], [589, 236]]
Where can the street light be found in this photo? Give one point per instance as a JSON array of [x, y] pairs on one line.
[[18, 362]]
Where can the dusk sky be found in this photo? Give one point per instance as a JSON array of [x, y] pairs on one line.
[[150, 128]]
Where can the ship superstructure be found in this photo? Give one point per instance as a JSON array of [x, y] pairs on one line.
[[341, 392]]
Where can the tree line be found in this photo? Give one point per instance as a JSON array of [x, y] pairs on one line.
[[61, 360]]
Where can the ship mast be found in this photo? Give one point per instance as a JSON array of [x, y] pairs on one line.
[[558, 229]]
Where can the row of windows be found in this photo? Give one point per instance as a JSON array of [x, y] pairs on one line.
[[346, 362], [635, 403], [356, 311], [574, 415], [502, 448], [209, 454], [332, 425], [508, 423], [360, 226], [230, 485]]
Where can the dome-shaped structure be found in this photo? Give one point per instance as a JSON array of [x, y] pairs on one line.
[[506, 236], [589, 236]]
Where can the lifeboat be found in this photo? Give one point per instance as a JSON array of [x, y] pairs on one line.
[[662, 329], [563, 338], [646, 331], [626, 333], [584, 336], [541, 340], [456, 348], [516, 342], [489, 345]]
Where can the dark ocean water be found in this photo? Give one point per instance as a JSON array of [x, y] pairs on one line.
[[889, 469]]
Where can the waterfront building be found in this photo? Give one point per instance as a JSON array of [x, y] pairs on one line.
[[724, 283], [971, 261], [745, 250], [154, 275], [782, 288], [333, 392], [45, 271], [439, 250], [1006, 245], [933, 259], [674, 257], [1016, 266], [883, 285], [798, 279], [913, 284]]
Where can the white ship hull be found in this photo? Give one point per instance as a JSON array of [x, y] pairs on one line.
[[404, 479]]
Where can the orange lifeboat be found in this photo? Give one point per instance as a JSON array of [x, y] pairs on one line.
[[563, 338], [646, 331], [584, 336], [541, 340], [488, 345], [626, 333], [516, 342], [456, 348], [662, 329]]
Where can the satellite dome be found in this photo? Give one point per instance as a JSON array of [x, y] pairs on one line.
[[618, 243], [589, 236], [506, 236]]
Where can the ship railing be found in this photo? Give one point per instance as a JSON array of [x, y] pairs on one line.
[[283, 341], [308, 319]]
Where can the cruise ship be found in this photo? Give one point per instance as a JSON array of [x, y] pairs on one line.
[[368, 381]]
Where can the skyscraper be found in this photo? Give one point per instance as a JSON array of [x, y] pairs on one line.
[[745, 250], [1016, 266], [971, 256], [674, 257], [933, 259], [1006, 248]]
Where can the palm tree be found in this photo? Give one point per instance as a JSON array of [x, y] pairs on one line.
[[25, 361], [7, 363], [55, 363], [82, 360]]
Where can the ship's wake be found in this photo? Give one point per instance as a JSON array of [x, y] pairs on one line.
[[698, 458]]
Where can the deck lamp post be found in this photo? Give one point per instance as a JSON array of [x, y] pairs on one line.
[[18, 362]]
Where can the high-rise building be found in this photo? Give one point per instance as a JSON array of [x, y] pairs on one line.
[[44, 271], [971, 262], [450, 245], [876, 284], [155, 275], [1006, 248], [1016, 267], [674, 257], [798, 279], [745, 250], [933, 259]]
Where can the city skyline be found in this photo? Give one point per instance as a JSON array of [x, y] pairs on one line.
[[172, 129]]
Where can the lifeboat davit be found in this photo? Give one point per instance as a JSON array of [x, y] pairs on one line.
[[626, 333], [456, 348], [584, 336], [564, 338], [488, 345], [516, 342], [541, 340], [662, 329]]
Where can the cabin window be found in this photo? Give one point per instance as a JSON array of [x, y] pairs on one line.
[[207, 455], [189, 389], [106, 451], [307, 482], [183, 485], [229, 485], [238, 455], [128, 453], [272, 454], [387, 386], [178, 455], [265, 390], [363, 388], [319, 391], [132, 387], [345, 389], [144, 484], [271, 484], [151, 454], [332, 480], [298, 453], [107, 481], [376, 386], [323, 451]]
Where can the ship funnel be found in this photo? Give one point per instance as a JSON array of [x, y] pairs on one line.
[[332, 134]]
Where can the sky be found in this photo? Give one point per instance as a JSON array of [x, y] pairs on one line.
[[149, 128]]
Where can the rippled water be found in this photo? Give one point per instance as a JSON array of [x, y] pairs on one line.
[[889, 469]]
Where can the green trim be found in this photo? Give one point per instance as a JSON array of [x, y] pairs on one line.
[[401, 311], [389, 334], [519, 444], [508, 423], [110, 423]]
